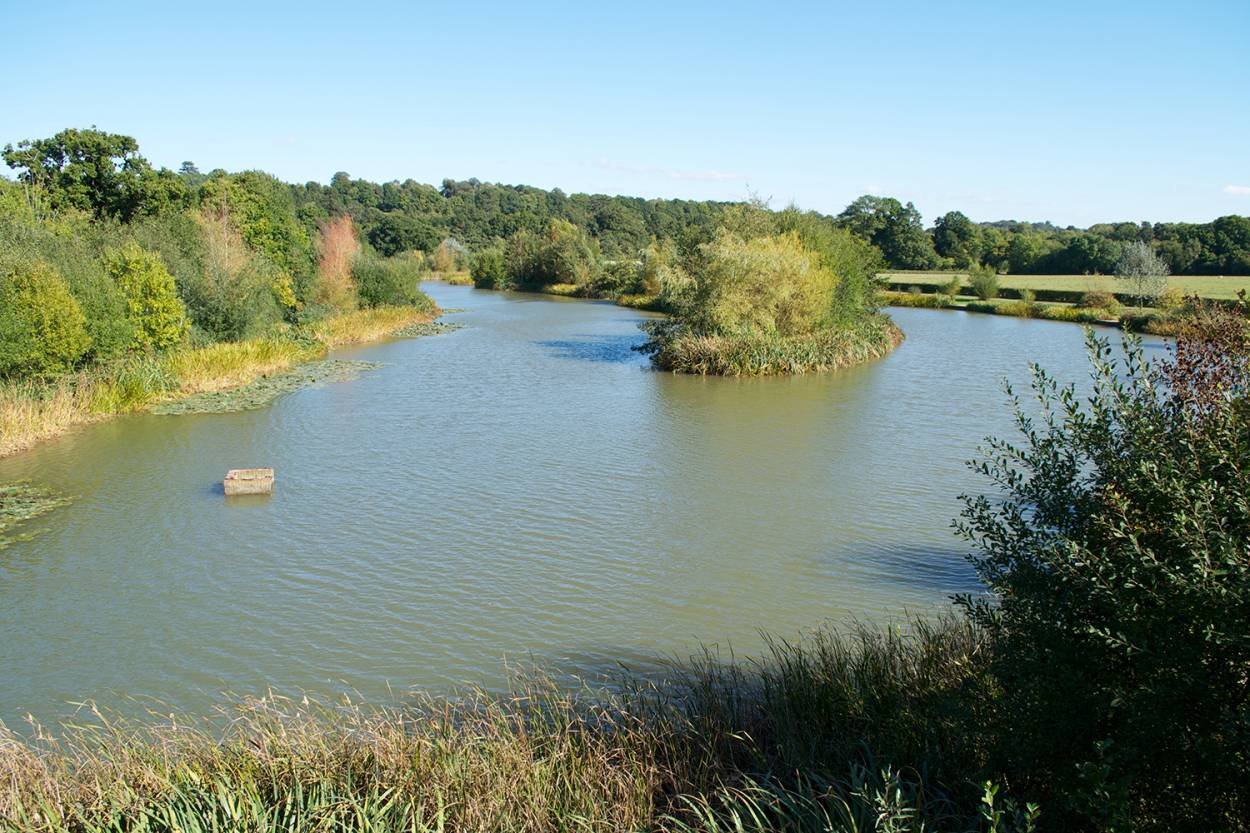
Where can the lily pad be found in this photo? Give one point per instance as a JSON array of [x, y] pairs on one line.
[[22, 502]]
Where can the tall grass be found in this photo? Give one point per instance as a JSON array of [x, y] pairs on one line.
[[371, 324], [860, 729]]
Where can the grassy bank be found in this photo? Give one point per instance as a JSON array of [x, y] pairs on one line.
[[33, 411], [1137, 319], [1216, 287], [872, 720]]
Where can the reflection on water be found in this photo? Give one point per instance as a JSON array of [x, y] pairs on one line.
[[525, 487]]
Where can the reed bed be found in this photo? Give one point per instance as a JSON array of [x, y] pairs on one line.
[[848, 727], [755, 354]]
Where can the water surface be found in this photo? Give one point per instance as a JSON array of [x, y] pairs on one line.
[[523, 488]]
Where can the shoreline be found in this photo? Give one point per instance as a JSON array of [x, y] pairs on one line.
[[32, 413]]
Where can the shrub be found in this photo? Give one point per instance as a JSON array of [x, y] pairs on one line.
[[448, 257], [1171, 300], [1121, 589], [952, 287], [907, 299], [386, 281], [72, 250], [1100, 299], [338, 250], [42, 329], [984, 281], [564, 253], [1064, 313], [151, 298], [488, 269], [234, 293]]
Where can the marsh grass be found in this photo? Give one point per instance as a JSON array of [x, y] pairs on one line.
[[33, 411], [761, 354], [852, 727], [371, 324]]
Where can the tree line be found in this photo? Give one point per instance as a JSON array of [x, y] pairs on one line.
[[103, 173]]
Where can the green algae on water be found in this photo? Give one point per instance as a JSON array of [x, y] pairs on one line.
[[260, 393], [21, 502]]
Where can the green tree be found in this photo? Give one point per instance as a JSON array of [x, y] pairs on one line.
[[42, 329], [957, 238], [151, 296], [1144, 272], [95, 171], [892, 227], [488, 269]]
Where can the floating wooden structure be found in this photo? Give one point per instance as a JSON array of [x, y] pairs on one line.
[[248, 482]]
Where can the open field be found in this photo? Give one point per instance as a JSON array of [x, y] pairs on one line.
[[1207, 286]]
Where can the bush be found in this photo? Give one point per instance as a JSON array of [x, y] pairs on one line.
[[42, 329], [984, 281], [152, 301], [488, 269], [1100, 299], [231, 296], [565, 253], [72, 250], [1075, 314], [338, 251], [952, 287], [386, 281], [907, 299], [1171, 300], [1121, 589]]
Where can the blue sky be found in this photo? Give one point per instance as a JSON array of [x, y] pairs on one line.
[[1072, 112]]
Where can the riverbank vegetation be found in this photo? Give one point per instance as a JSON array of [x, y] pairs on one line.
[[770, 293], [122, 286], [1099, 684]]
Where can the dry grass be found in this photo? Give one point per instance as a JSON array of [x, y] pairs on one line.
[[31, 412], [370, 324]]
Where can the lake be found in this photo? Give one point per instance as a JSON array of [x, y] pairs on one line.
[[524, 489]]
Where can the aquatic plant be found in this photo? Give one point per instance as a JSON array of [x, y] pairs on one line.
[[22, 502]]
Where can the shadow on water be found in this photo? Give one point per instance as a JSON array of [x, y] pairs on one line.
[[943, 570], [608, 349]]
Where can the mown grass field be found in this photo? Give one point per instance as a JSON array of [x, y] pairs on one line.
[[1207, 286]]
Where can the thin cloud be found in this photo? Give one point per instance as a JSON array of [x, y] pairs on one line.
[[710, 175], [1237, 190]]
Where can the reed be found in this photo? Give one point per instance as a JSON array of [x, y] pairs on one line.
[[827, 724], [371, 324]]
